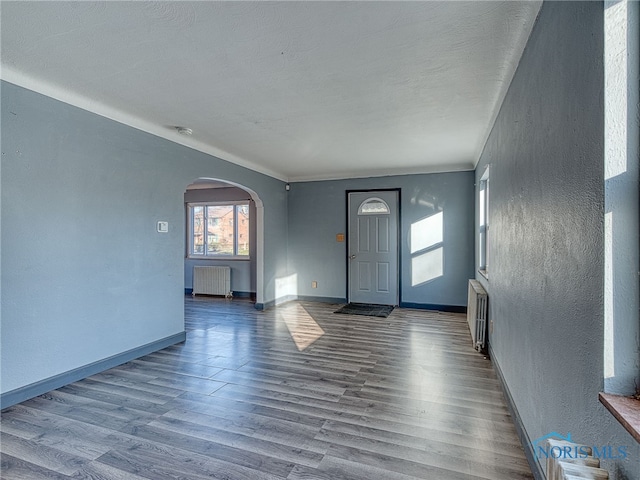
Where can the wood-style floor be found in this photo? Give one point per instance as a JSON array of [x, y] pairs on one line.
[[296, 392]]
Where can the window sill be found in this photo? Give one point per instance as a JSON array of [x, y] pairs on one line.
[[484, 273], [221, 258], [626, 410]]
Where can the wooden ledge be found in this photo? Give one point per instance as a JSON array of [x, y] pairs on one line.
[[626, 410]]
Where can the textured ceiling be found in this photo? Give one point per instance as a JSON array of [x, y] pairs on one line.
[[297, 90]]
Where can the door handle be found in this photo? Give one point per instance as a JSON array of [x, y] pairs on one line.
[[352, 257]]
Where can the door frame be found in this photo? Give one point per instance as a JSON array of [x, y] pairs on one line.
[[398, 232], [258, 273]]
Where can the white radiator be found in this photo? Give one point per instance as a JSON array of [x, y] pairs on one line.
[[581, 466], [212, 281], [477, 314]]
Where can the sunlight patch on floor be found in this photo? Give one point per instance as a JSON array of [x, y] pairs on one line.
[[304, 330]]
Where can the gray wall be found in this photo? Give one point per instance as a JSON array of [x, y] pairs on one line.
[[317, 212], [546, 233], [243, 272], [84, 275]]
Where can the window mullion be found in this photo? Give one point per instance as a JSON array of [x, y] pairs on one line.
[[235, 230], [190, 228], [205, 230]]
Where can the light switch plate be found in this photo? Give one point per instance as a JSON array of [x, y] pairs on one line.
[[163, 227]]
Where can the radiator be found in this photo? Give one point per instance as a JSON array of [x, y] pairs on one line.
[[565, 468], [477, 314], [212, 281]]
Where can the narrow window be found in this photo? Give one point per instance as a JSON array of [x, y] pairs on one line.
[[483, 223]]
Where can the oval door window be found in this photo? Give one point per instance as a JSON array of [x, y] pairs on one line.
[[373, 206]]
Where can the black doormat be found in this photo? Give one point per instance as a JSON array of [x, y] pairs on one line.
[[366, 309]]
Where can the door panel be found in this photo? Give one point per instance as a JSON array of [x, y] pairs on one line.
[[373, 247], [364, 276], [383, 235], [383, 277], [363, 235]]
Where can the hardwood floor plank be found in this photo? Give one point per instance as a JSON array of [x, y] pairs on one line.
[[431, 439], [274, 383], [263, 427], [315, 361], [434, 454], [41, 455], [321, 409], [164, 463], [134, 381], [189, 384], [70, 436], [223, 362], [332, 468], [421, 408], [183, 368], [211, 449], [167, 356], [239, 426], [211, 421], [466, 395], [392, 381], [387, 463], [145, 396], [229, 404], [17, 427], [14, 468], [80, 389], [339, 377], [292, 392], [340, 468], [91, 412], [101, 471], [272, 449]]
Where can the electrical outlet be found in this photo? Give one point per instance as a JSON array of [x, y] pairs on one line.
[[314, 284]]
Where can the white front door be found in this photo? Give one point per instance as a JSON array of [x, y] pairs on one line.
[[373, 247]]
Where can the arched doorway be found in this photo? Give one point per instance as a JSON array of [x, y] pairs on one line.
[[220, 192]]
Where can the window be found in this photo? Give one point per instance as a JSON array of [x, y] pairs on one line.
[[373, 206], [621, 225], [227, 232], [483, 222]]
